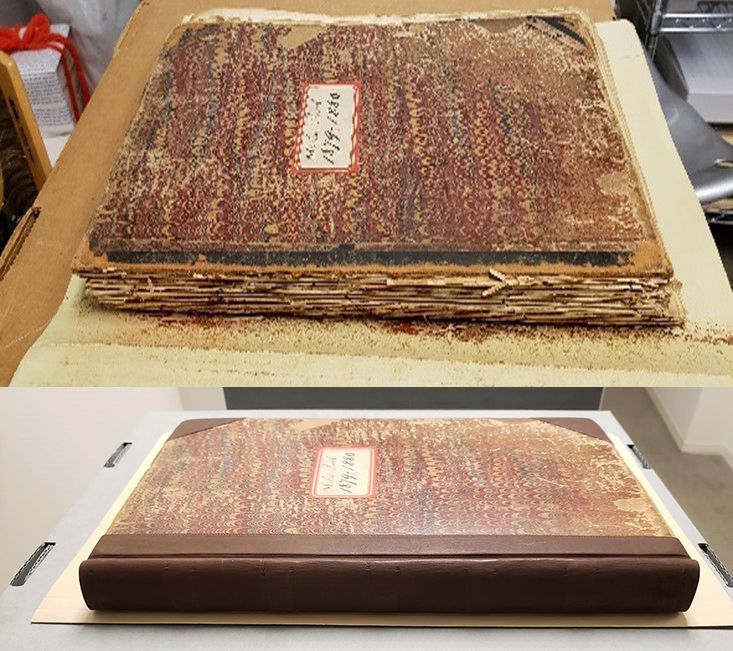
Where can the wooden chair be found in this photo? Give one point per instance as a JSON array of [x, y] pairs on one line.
[[24, 163]]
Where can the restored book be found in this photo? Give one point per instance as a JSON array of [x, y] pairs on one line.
[[468, 515], [426, 166]]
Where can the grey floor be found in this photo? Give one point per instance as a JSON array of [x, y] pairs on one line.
[[701, 483]]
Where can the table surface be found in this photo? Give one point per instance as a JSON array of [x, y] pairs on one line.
[[17, 604]]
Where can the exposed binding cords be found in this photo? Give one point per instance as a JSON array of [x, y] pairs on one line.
[[717, 564], [31, 564], [642, 459], [117, 455]]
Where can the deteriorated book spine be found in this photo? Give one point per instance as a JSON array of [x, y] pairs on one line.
[[366, 515]]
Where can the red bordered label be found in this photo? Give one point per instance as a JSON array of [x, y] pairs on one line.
[[344, 472], [328, 128]]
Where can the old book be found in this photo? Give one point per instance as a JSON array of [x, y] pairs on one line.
[[444, 166], [364, 515]]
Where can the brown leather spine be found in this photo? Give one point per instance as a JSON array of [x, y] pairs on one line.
[[195, 425], [410, 546], [391, 584], [580, 425]]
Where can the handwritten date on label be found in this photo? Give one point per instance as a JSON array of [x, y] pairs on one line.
[[328, 127], [344, 472]]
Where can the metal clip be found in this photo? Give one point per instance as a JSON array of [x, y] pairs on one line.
[[717, 564], [31, 564], [117, 455], [642, 460]]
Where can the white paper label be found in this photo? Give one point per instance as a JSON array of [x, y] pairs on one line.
[[344, 472], [327, 132]]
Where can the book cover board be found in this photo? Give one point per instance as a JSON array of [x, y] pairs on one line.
[[453, 515], [362, 165]]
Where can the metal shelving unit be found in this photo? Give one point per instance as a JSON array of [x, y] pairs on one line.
[[653, 18]]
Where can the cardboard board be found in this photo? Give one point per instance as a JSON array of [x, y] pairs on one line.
[[89, 345], [711, 606]]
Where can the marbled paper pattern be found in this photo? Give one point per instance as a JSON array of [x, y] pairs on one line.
[[475, 135], [457, 476]]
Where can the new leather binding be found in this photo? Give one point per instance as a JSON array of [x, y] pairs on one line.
[[390, 515]]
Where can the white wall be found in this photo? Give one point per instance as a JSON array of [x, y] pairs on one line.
[[13, 12], [700, 420], [54, 441], [202, 398]]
